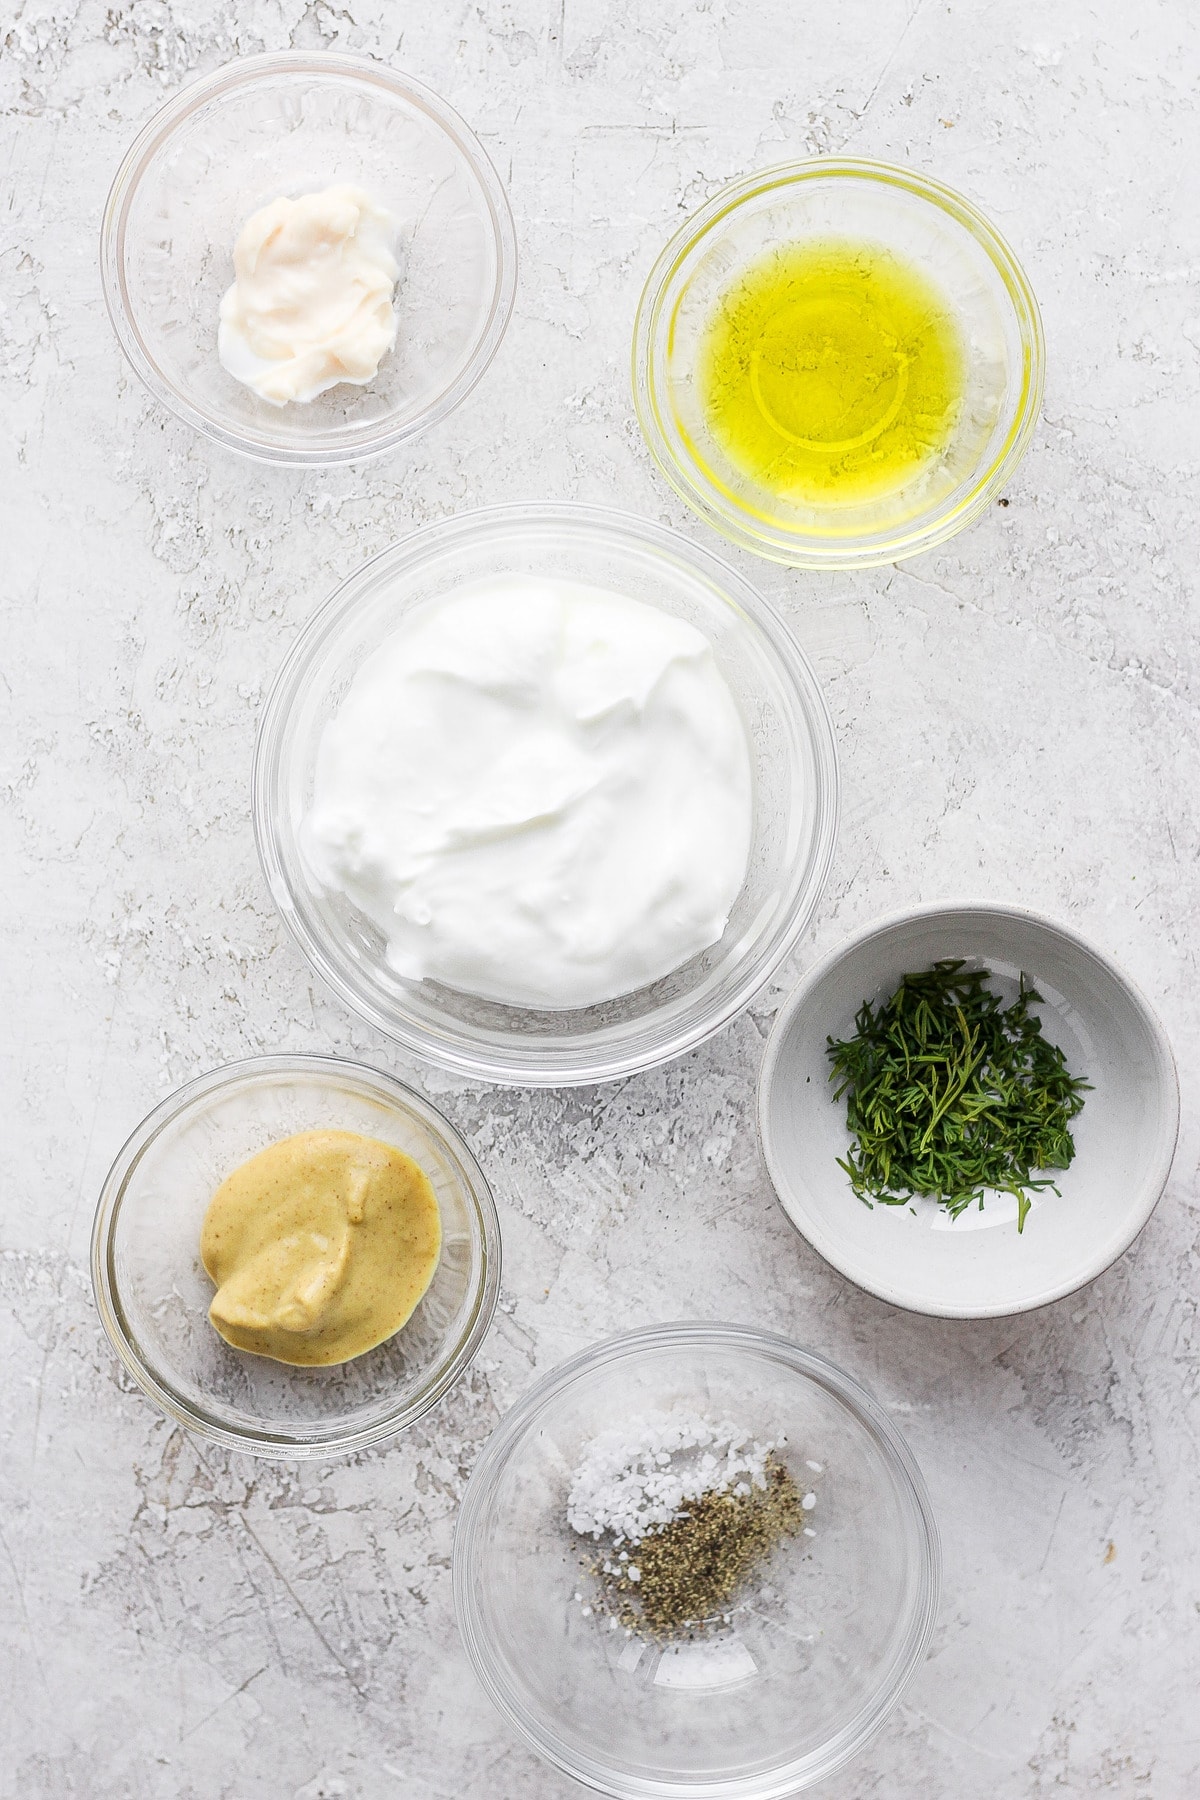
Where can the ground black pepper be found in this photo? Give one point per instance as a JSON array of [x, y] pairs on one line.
[[681, 1578]]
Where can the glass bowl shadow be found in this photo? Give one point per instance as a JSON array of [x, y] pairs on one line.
[[813, 1658], [794, 763], [153, 1293], [290, 124]]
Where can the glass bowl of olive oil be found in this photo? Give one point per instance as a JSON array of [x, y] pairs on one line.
[[837, 363]]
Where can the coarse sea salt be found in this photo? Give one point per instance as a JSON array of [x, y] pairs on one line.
[[640, 1475]]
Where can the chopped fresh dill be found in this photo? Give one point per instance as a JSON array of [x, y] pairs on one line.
[[952, 1095]]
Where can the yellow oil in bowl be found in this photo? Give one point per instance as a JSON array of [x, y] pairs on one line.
[[832, 373]]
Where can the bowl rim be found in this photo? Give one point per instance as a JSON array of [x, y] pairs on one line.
[[282, 1445], [800, 550], [244, 72], [770, 1785], [451, 1050], [1166, 1074]]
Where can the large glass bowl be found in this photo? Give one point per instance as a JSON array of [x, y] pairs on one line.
[[814, 1657], [795, 794], [291, 124], [923, 224], [153, 1293]]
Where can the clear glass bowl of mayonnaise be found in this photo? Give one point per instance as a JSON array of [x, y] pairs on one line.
[[153, 1294], [793, 793], [290, 125]]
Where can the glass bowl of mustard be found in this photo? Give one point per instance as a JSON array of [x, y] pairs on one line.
[[289, 124], [837, 363], [796, 1668], [153, 1290]]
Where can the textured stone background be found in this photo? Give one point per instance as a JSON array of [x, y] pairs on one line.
[[1017, 717]]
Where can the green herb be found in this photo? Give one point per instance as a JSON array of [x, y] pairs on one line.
[[682, 1576], [953, 1095]]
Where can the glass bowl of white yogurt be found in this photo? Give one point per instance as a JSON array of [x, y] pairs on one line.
[[277, 130], [546, 793]]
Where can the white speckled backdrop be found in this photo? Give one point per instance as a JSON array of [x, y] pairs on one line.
[[1017, 716]]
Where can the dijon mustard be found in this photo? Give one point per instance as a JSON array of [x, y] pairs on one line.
[[320, 1247]]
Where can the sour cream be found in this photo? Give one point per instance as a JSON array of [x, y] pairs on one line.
[[539, 791], [312, 303]]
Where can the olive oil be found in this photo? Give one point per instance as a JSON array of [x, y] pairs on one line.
[[832, 373]]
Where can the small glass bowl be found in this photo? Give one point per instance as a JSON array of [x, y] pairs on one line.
[[811, 1662], [292, 124], [795, 794], [922, 223], [153, 1294]]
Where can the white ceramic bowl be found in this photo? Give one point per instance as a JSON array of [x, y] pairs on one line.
[[292, 124], [977, 1266]]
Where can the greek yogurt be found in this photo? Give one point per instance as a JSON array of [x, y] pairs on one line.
[[539, 791]]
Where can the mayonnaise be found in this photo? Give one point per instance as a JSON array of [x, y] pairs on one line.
[[312, 303], [540, 792]]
